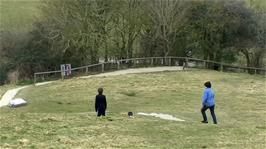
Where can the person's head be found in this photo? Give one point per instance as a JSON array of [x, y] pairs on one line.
[[208, 84], [100, 91]]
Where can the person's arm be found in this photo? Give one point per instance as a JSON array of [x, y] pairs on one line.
[[205, 96], [213, 97], [96, 104], [105, 102]]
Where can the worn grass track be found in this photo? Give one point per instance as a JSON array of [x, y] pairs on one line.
[[5, 88]]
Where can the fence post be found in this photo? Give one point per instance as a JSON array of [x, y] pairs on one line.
[[169, 61], [222, 67], [62, 75], [186, 62], [161, 61], [118, 65], [102, 67], [255, 71], [34, 78], [86, 71], [151, 61]]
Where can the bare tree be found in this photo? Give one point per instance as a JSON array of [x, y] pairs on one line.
[[128, 25], [165, 16]]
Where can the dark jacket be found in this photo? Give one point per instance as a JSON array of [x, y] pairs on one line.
[[100, 102]]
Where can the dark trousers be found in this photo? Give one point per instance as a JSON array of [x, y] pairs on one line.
[[203, 109], [101, 112]]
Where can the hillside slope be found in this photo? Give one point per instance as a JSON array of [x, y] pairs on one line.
[[18, 15], [61, 114]]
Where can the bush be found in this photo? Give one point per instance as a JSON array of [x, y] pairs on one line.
[[3, 76]]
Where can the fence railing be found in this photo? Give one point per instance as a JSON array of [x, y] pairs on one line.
[[185, 62]]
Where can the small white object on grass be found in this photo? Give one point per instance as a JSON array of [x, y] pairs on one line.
[[161, 116], [17, 102]]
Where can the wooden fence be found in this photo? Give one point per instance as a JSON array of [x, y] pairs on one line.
[[185, 62]]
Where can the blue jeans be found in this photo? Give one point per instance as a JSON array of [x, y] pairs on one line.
[[204, 108]]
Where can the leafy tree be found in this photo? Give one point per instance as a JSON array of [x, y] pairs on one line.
[[211, 26], [251, 36], [160, 33]]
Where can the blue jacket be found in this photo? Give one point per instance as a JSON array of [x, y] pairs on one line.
[[208, 97]]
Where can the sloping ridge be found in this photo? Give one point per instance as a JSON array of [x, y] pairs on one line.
[[10, 94]]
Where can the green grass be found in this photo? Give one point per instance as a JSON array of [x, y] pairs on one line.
[[18, 15], [61, 114]]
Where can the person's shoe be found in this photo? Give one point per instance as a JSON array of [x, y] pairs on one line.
[[204, 121]]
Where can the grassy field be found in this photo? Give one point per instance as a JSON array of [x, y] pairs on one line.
[[61, 114], [18, 15]]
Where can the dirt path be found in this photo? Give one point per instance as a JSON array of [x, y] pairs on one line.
[[136, 70], [10, 94]]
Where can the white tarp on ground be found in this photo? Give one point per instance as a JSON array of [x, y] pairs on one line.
[[162, 116], [17, 102]]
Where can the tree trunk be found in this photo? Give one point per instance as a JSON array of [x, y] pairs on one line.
[[248, 59]]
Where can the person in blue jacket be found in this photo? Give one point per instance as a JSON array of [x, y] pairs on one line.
[[100, 103], [208, 102]]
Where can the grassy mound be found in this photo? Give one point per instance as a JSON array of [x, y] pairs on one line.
[[61, 114]]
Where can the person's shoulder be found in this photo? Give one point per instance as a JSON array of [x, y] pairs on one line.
[[208, 90], [100, 95], [211, 90]]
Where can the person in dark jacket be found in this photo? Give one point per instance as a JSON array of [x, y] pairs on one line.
[[100, 103], [208, 102]]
